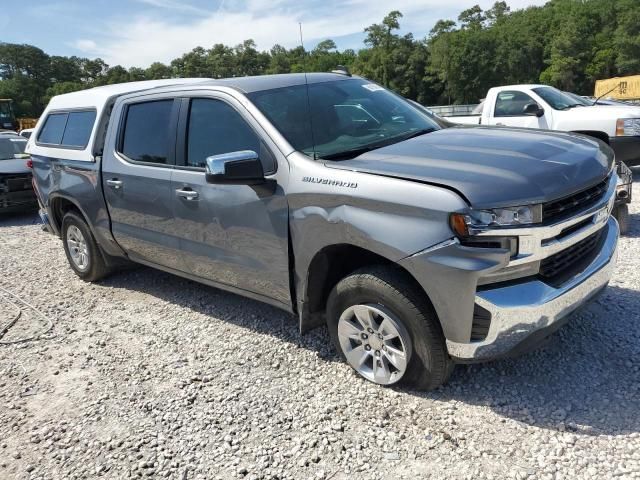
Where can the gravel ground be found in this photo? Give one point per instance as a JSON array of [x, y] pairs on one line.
[[149, 375]]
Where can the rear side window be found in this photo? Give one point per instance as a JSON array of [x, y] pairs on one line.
[[146, 136], [68, 129]]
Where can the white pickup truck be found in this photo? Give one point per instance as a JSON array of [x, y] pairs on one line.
[[541, 106]]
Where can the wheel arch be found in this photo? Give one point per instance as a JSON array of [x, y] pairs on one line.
[[327, 267], [59, 205]]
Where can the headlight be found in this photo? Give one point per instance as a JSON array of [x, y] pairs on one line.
[[628, 127], [465, 224]]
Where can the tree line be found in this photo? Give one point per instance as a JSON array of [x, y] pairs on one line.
[[566, 43]]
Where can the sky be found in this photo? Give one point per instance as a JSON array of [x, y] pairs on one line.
[[140, 32]]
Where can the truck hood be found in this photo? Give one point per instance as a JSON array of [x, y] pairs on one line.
[[599, 113], [14, 166], [493, 167]]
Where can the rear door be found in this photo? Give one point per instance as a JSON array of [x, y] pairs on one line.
[[509, 108], [231, 234], [137, 169]]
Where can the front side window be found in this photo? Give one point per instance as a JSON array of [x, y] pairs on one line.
[[216, 128], [512, 104], [146, 135], [341, 119]]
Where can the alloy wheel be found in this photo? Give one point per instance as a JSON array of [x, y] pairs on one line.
[[78, 249], [374, 342]]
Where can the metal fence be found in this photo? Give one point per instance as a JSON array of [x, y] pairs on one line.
[[452, 110]]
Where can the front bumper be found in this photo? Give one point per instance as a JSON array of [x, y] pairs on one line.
[[627, 149], [519, 312], [490, 304]]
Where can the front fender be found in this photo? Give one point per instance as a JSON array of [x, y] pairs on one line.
[[390, 217]]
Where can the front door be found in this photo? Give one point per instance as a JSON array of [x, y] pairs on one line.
[[509, 111], [136, 175], [231, 234]]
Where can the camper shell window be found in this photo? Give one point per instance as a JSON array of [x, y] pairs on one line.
[[67, 129]]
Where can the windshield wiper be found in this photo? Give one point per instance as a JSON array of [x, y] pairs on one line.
[[348, 154], [572, 106], [354, 152], [416, 133]]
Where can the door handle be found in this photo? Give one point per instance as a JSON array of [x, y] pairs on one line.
[[115, 184], [187, 194], [500, 124]]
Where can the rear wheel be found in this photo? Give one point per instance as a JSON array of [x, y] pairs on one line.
[[82, 251], [386, 330]]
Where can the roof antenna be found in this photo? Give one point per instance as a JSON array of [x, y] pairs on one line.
[[301, 42], [306, 83], [595, 102]]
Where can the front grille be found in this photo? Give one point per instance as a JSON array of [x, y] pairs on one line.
[[573, 203], [558, 268], [15, 183]]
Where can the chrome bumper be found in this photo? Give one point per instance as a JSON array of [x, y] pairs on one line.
[[520, 311]]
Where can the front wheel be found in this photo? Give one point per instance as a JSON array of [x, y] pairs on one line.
[[385, 328]]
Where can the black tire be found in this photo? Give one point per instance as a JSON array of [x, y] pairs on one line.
[[429, 365], [96, 267], [621, 213]]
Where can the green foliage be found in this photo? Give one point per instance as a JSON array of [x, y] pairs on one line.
[[627, 36], [566, 43]]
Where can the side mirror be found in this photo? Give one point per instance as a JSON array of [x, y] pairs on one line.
[[533, 109], [235, 168]]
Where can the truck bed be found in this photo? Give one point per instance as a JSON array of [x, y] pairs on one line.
[[465, 119]]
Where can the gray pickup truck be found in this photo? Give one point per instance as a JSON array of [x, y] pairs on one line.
[[338, 201]]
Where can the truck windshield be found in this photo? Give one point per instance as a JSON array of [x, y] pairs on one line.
[[557, 99], [12, 147], [579, 99], [341, 119]]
